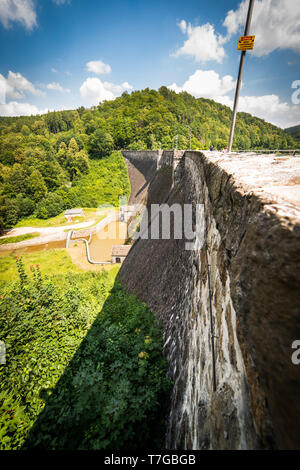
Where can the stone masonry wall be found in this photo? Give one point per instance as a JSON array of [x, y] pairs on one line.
[[252, 246]]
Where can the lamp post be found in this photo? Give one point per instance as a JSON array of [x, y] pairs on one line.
[[239, 80]]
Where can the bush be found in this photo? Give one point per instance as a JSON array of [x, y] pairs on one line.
[[50, 206], [76, 378], [100, 144]]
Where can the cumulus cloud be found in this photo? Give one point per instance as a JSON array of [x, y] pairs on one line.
[[267, 107], [203, 44], [209, 84], [57, 87], [275, 23], [13, 108], [94, 91], [98, 67], [117, 89], [16, 86], [206, 84], [21, 11]]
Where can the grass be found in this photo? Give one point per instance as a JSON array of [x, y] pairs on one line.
[[97, 220], [19, 238], [57, 221], [51, 262]]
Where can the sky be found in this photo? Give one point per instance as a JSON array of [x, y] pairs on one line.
[[62, 54]]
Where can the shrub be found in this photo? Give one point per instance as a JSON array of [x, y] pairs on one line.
[[84, 365], [50, 206]]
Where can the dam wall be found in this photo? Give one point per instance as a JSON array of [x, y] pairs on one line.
[[236, 291]]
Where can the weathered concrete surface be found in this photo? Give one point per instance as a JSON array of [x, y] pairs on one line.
[[142, 168], [266, 175], [252, 239]]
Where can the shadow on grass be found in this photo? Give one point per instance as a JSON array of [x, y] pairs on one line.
[[114, 392]]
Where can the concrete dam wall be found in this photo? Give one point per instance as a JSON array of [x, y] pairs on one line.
[[238, 292]]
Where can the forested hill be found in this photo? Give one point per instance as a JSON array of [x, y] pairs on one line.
[[148, 118], [294, 132], [47, 162]]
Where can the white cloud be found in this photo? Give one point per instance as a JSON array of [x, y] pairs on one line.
[[117, 89], [275, 23], [94, 91], [182, 25], [203, 44], [17, 81], [98, 67], [57, 87], [22, 11], [19, 109], [267, 107], [209, 84], [16, 85], [206, 84], [53, 70]]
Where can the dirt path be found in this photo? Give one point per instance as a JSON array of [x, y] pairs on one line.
[[44, 231]]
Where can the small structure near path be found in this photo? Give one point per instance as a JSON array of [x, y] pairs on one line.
[[70, 214], [119, 253]]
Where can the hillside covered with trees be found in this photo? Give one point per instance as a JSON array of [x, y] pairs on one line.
[[294, 132], [47, 162]]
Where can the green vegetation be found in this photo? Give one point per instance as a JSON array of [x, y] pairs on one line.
[[85, 368], [50, 262], [84, 365], [294, 132], [19, 238], [106, 180], [64, 159], [59, 220]]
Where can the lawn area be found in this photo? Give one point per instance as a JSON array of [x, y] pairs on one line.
[[59, 220], [51, 262], [19, 238]]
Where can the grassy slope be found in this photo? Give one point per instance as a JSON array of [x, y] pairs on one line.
[[19, 238], [51, 262]]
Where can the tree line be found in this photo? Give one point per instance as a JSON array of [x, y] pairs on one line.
[[42, 158]]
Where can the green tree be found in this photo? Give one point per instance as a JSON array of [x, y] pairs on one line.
[[36, 186], [100, 144], [50, 206]]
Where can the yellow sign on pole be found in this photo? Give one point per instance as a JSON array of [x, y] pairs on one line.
[[246, 43]]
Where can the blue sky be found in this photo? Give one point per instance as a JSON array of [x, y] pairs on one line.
[[60, 54]]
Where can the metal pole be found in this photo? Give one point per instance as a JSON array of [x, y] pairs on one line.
[[190, 139], [239, 80]]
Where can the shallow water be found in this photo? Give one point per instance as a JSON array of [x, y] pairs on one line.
[[114, 233]]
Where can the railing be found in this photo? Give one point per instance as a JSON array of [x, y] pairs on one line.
[[293, 151]]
